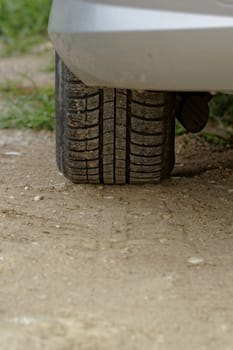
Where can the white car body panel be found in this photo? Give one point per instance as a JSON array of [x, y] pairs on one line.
[[146, 44]]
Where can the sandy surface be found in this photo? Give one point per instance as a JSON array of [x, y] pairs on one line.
[[94, 267]]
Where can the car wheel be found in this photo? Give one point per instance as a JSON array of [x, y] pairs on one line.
[[112, 136]]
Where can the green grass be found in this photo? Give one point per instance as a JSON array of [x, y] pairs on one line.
[[31, 108], [221, 115], [217, 140], [50, 68], [23, 23], [221, 107], [179, 129]]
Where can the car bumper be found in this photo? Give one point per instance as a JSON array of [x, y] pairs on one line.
[[138, 47]]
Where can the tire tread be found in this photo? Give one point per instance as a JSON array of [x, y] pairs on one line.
[[112, 136]]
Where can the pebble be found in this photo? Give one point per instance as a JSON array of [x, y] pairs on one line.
[[163, 240], [23, 321], [196, 261], [1, 258], [11, 153], [170, 278], [125, 250], [38, 198]]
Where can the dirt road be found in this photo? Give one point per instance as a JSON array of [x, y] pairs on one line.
[[94, 267]]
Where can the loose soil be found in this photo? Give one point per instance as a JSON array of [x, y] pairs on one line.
[[98, 267]]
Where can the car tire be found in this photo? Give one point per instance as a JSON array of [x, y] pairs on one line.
[[112, 136]]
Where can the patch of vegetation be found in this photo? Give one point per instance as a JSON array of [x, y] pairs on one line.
[[23, 107], [221, 114], [180, 130], [221, 108], [217, 140], [50, 68], [23, 23]]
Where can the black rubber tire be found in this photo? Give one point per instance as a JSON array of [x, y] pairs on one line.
[[112, 136]]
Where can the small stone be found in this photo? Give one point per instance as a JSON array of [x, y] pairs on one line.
[[166, 216], [1, 258], [14, 154], [163, 240], [58, 226], [38, 198], [170, 279], [26, 188], [196, 261], [24, 321]]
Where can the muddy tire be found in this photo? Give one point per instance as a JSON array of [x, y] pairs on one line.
[[112, 136]]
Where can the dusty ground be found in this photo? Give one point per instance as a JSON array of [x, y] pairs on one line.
[[93, 267], [29, 70]]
